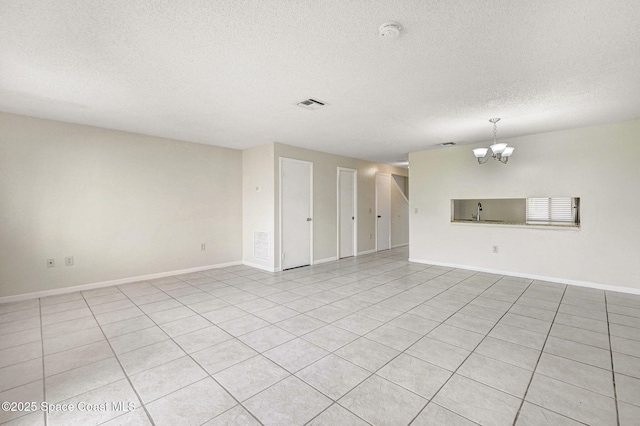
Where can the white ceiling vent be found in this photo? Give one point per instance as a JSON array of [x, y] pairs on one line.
[[312, 104]]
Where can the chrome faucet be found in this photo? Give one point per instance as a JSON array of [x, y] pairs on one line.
[[479, 210]]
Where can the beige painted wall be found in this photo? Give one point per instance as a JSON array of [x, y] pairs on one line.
[[403, 183], [599, 164], [122, 204], [258, 198], [399, 216], [325, 199]]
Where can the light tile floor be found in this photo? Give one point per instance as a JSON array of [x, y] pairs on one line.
[[367, 340]]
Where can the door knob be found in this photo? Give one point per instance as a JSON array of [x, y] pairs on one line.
[[308, 219]]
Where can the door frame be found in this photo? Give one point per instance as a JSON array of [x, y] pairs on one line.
[[376, 201], [355, 210], [280, 160]]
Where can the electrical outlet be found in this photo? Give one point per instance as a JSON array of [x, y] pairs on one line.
[[369, 210], [51, 263], [203, 247], [68, 261], [494, 249], [371, 236], [416, 211]]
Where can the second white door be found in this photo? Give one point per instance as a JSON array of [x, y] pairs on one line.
[[346, 212], [383, 211], [295, 211]]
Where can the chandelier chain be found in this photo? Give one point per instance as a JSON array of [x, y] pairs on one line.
[[495, 129]]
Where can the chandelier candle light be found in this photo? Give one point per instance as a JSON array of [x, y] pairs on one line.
[[499, 151]]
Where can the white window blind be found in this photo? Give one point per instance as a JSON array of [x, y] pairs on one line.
[[559, 210]]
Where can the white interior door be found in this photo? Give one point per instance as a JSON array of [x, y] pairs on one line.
[[346, 212], [383, 211], [295, 212]]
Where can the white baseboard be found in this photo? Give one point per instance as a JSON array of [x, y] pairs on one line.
[[91, 286], [360, 253], [328, 259], [400, 245], [257, 266], [588, 284]]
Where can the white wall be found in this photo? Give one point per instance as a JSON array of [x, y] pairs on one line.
[[124, 205], [258, 197], [599, 164], [325, 200]]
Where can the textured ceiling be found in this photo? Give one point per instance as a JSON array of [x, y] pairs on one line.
[[229, 72]]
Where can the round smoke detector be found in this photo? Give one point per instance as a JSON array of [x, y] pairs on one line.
[[390, 30]]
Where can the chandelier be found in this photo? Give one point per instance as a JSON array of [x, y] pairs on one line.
[[499, 151]]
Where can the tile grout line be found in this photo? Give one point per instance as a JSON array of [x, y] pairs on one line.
[[169, 338], [257, 279], [121, 367], [426, 335], [568, 339], [407, 348], [172, 339], [533, 373], [335, 401], [330, 353], [576, 361], [472, 351], [44, 386], [93, 315], [186, 354], [144, 314], [613, 373], [39, 327]]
